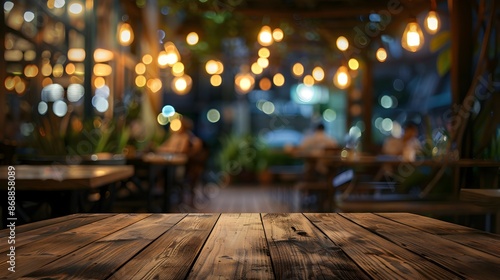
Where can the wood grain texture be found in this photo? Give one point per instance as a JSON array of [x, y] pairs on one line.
[[465, 261], [301, 251], [37, 254], [172, 254], [253, 246], [101, 258], [42, 223], [236, 249], [380, 258], [464, 235], [24, 236]]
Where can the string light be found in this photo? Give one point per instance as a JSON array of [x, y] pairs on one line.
[[413, 38]]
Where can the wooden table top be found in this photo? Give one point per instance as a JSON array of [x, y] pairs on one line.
[[251, 246], [486, 197], [65, 177]]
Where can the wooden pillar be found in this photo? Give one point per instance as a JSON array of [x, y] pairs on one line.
[[461, 61], [461, 78], [90, 35], [3, 65], [367, 112]]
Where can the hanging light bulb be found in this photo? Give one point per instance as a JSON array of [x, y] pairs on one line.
[[342, 79], [125, 34], [432, 23], [413, 38]]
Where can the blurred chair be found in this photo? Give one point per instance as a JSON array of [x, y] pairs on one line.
[[315, 192], [195, 168]]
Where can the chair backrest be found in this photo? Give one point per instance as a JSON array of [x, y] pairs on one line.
[[7, 153]]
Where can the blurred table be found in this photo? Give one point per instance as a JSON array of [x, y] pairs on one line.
[[65, 177], [44, 181], [488, 198], [165, 164], [403, 168], [252, 246]]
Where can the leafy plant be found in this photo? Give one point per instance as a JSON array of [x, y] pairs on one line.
[[239, 153], [442, 42]]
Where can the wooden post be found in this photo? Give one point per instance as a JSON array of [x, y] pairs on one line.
[[3, 64], [367, 112], [90, 33], [461, 77], [461, 61]]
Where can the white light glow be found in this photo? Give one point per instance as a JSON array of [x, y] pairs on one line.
[[7, 6], [60, 108], [75, 92], [213, 115], [42, 108], [75, 8], [29, 16]]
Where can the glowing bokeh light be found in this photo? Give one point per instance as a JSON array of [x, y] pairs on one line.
[[329, 115], [192, 38], [213, 115], [216, 80], [175, 125], [342, 43], [168, 110], [278, 79], [298, 69], [60, 108]]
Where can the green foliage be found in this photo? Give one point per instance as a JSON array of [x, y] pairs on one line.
[[443, 63], [439, 41], [69, 135], [239, 153]]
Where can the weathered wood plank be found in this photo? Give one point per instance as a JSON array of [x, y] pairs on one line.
[[46, 229], [173, 253], [378, 257], [236, 249], [464, 235], [465, 261], [101, 258], [300, 251], [37, 254], [42, 223]]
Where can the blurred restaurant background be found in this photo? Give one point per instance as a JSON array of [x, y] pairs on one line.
[[90, 78]]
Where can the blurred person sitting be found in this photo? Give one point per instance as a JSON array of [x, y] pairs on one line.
[[181, 139], [184, 141], [315, 146], [407, 146]]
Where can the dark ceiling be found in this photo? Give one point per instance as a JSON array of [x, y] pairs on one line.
[[310, 27]]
